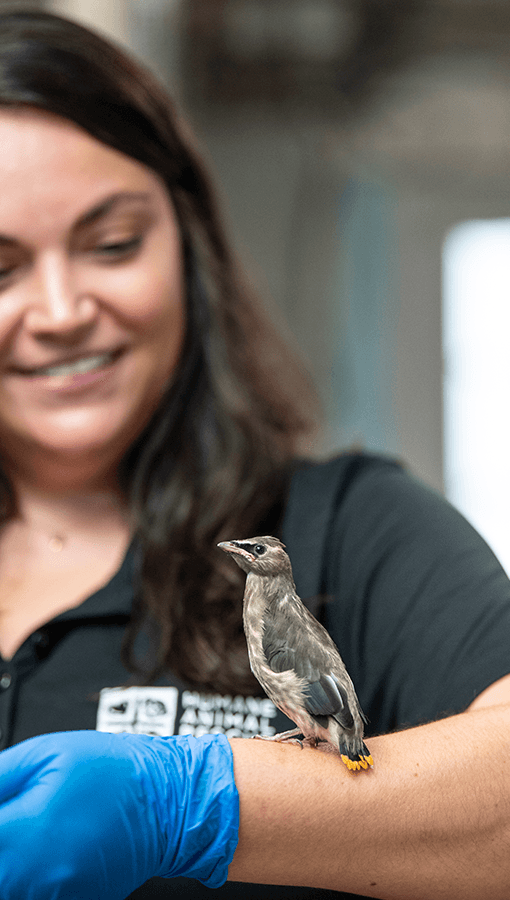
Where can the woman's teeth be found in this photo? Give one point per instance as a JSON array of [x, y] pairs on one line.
[[78, 366]]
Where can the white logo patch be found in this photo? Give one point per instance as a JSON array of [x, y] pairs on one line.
[[153, 710], [138, 710]]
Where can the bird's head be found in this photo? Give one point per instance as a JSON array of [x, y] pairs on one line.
[[260, 555]]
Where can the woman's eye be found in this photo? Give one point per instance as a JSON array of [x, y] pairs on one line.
[[119, 249], [5, 271]]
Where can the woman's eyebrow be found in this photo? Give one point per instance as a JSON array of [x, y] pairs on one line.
[[109, 205]]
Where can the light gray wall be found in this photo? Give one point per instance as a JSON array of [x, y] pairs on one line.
[[347, 225], [111, 17]]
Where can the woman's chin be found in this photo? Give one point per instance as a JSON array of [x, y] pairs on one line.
[[100, 442]]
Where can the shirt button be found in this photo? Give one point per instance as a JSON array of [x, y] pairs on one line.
[[40, 637], [5, 681], [40, 642]]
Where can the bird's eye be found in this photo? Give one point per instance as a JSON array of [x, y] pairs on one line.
[[260, 549]]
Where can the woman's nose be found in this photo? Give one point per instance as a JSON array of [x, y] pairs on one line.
[[58, 304]]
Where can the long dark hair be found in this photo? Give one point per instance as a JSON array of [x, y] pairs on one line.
[[213, 462]]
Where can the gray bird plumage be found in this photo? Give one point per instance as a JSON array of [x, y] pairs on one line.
[[292, 655]]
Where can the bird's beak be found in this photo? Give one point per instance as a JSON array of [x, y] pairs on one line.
[[234, 549], [229, 547]]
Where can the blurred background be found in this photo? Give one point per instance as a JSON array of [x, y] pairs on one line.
[[362, 148]]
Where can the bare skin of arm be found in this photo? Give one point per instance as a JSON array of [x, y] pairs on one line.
[[430, 821]]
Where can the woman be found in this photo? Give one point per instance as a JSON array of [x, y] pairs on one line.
[[148, 411]]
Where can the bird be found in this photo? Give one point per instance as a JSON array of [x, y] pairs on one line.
[[293, 657]]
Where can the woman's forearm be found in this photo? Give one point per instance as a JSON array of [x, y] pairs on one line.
[[431, 820]]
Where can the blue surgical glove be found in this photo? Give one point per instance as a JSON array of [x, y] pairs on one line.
[[88, 815]]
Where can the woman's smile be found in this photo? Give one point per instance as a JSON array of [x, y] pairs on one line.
[[84, 375], [77, 366]]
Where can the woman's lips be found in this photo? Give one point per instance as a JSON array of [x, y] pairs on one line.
[[78, 366], [71, 374]]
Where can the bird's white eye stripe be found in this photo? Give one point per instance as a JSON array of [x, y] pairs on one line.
[[254, 549]]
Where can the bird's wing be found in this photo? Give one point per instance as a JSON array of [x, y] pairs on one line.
[[289, 645]]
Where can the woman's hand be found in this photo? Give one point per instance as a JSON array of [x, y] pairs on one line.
[[86, 814]]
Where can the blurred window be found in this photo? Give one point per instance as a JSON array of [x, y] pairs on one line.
[[476, 346]]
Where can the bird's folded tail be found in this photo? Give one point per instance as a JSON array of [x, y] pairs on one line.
[[356, 758]]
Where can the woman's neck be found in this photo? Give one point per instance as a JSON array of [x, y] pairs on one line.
[[58, 549], [68, 510]]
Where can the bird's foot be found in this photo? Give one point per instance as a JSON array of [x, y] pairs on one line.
[[292, 736], [314, 741]]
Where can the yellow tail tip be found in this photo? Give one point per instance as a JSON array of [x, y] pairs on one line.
[[355, 765]]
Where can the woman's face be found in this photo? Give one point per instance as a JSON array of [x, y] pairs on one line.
[[91, 292]]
